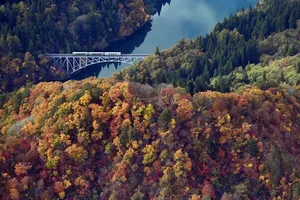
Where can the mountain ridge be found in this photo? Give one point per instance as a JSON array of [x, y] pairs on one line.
[[156, 130]]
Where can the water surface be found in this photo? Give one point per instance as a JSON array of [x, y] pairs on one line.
[[177, 20]]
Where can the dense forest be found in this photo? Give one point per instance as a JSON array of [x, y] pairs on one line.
[[241, 39], [216, 117], [39, 26], [95, 139]]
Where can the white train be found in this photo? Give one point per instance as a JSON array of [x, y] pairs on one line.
[[96, 53]]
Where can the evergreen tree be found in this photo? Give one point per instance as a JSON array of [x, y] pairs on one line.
[[264, 76], [275, 165], [292, 50], [157, 52], [298, 66], [13, 43], [282, 79], [2, 43], [165, 118], [292, 20], [200, 84]]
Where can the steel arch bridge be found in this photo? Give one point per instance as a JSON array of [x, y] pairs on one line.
[[73, 63]]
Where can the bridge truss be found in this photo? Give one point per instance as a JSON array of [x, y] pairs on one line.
[[71, 63]]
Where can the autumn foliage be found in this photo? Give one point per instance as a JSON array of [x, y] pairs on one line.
[[96, 139]]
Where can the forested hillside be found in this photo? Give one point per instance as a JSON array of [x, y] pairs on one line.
[[156, 130], [41, 26], [100, 140], [241, 39]]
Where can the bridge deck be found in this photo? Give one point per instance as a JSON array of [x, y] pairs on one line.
[[73, 63], [71, 55]]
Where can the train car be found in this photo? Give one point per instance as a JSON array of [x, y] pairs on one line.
[[112, 53], [96, 53], [87, 53], [79, 53]]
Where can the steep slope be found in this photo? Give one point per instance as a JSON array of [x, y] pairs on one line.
[[105, 139], [41, 26], [95, 139], [233, 43], [284, 71]]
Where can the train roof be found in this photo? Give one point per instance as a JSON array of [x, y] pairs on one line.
[[98, 52]]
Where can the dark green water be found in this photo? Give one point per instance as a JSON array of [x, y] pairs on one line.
[[177, 20]]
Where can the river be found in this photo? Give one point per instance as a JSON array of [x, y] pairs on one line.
[[177, 20]]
